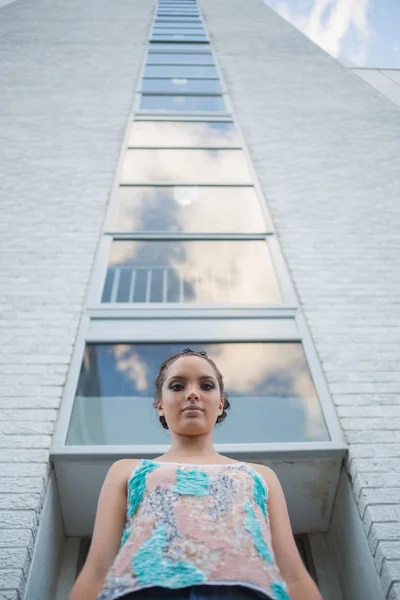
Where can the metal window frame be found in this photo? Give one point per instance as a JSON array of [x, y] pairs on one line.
[[179, 20], [168, 54], [119, 330], [177, 95], [153, 48], [118, 324], [100, 268], [180, 92], [188, 118], [177, 25]]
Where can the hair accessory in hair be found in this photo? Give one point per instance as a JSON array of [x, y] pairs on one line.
[[189, 350]]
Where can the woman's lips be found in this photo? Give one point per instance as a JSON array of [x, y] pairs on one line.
[[192, 408]]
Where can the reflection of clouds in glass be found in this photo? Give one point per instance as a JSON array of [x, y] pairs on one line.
[[228, 272], [280, 369], [314, 424], [190, 134], [273, 370], [191, 166], [190, 209], [329, 23], [223, 210], [225, 271], [273, 397], [123, 253], [130, 363]]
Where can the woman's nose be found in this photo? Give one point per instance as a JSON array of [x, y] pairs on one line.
[[192, 395]]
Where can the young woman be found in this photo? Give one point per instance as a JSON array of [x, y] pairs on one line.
[[192, 524]]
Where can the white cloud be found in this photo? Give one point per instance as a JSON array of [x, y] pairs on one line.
[[329, 22]]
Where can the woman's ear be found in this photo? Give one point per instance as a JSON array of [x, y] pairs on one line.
[[160, 408], [221, 406]]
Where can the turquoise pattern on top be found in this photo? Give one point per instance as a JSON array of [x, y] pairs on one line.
[[152, 568], [280, 590], [260, 493], [125, 535], [192, 483], [137, 485], [253, 527]]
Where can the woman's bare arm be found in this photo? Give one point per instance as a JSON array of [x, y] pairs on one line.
[[301, 585], [110, 520]]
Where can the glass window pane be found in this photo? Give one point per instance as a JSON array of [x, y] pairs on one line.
[[182, 103], [185, 166], [181, 85], [243, 273], [180, 71], [272, 394], [178, 36], [178, 25], [187, 209], [177, 10], [179, 19], [180, 59], [183, 21], [160, 47], [177, 14], [194, 134], [161, 31]]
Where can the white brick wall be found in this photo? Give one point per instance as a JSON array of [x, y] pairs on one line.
[[67, 75], [326, 147]]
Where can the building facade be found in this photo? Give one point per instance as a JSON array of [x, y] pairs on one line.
[[195, 173]]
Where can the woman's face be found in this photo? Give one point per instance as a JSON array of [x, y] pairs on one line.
[[191, 399]]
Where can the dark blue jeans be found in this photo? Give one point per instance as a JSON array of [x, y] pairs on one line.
[[197, 592]]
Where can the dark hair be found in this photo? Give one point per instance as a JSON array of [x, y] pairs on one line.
[[159, 382]]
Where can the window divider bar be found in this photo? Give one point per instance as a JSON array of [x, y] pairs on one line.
[[109, 312], [182, 93], [115, 285], [183, 64], [185, 184], [132, 285], [148, 285], [184, 148], [166, 236], [181, 76], [165, 285], [182, 118]]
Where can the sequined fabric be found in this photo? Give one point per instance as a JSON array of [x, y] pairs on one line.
[[191, 525]]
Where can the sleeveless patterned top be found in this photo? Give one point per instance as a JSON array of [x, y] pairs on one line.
[[195, 525]]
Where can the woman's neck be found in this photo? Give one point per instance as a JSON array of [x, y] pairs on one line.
[[187, 448]]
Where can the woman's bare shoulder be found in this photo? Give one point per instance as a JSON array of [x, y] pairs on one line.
[[121, 470], [266, 472]]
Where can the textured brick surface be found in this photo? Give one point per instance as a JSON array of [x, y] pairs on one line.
[[325, 146], [67, 75]]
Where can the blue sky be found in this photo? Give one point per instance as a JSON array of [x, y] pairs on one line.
[[364, 32]]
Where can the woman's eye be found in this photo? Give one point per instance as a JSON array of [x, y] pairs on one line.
[[176, 387], [207, 386]]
